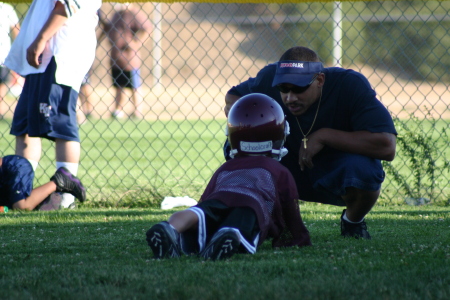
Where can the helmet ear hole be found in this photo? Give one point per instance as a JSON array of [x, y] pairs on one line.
[[257, 126]]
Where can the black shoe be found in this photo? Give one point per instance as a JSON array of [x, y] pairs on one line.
[[223, 245], [356, 230], [66, 182], [164, 241]]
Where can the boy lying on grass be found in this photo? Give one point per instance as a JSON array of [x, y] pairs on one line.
[[16, 184], [250, 198]]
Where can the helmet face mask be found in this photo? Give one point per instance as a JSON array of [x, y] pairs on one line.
[[257, 126]]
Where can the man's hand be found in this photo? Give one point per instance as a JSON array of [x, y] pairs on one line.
[[313, 146], [229, 101]]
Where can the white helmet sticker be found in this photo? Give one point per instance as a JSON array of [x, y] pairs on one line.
[[256, 147]]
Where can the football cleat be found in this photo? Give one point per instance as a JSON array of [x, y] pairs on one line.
[[66, 182], [356, 230], [164, 241], [224, 244]]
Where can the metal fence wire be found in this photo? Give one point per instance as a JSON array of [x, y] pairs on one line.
[[194, 52]]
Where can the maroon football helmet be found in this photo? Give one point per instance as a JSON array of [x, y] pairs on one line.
[[257, 125]]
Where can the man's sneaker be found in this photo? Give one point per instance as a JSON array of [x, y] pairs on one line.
[[223, 245], [164, 241], [356, 230], [66, 182]]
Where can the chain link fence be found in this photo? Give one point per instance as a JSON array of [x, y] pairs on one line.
[[195, 52]]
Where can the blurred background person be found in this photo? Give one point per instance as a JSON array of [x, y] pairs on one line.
[[127, 31]]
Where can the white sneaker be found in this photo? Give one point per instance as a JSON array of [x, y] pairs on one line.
[[68, 201], [118, 114]]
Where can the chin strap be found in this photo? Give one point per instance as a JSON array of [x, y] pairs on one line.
[[233, 152], [276, 154], [279, 154]]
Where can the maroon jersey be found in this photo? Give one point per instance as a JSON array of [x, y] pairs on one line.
[[264, 185]]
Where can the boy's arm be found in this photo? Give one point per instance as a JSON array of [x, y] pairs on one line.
[[56, 20], [291, 213], [294, 224]]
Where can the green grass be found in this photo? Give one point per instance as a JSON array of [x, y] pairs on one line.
[[134, 164], [102, 254]]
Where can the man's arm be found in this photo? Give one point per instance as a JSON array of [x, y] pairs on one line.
[[144, 28], [56, 20], [375, 145]]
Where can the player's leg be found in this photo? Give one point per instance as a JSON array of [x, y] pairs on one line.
[[359, 203], [183, 220], [85, 99], [62, 181], [135, 83], [118, 103], [65, 182], [64, 131], [238, 231], [137, 101], [27, 146], [68, 151], [67, 156], [344, 179], [119, 79], [30, 148]]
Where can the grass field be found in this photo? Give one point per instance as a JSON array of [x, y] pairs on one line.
[[102, 254], [99, 251]]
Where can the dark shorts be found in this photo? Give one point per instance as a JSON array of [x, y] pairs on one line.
[[4, 74], [217, 216], [46, 109], [126, 79], [333, 173], [16, 180]]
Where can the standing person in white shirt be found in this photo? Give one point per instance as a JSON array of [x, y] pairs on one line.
[[9, 29], [53, 51]]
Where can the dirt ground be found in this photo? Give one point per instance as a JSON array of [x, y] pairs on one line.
[[200, 61]]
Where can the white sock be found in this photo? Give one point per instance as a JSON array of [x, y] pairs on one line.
[[72, 167], [34, 164], [346, 219], [67, 199]]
